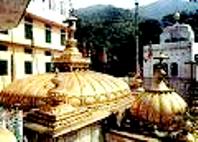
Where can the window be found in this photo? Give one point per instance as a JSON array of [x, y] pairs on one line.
[[48, 53], [3, 67], [28, 67], [196, 58], [167, 40], [4, 32], [48, 67], [28, 50], [174, 69], [3, 47], [48, 33], [28, 28], [63, 37]]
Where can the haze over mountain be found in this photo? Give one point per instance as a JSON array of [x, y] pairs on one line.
[[154, 10], [164, 7]]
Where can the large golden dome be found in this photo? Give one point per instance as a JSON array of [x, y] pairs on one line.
[[65, 99], [76, 88]]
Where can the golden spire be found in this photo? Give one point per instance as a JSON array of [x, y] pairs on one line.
[[71, 59]]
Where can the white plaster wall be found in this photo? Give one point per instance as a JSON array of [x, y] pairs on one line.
[[38, 59], [15, 39], [17, 35], [41, 8], [179, 53]]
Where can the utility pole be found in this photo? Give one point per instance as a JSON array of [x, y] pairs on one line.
[[137, 36]]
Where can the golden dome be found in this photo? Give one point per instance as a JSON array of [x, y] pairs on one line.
[[158, 107], [160, 104], [75, 88], [6, 136]]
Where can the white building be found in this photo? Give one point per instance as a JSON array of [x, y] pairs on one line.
[[28, 48], [178, 43]]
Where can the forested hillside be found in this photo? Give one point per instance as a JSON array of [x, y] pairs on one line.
[[109, 35]]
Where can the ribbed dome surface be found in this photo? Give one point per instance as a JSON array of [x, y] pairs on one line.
[[79, 88], [158, 107]]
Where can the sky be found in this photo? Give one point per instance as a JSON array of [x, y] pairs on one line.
[[117, 3]]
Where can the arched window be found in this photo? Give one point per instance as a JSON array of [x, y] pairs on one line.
[[174, 69]]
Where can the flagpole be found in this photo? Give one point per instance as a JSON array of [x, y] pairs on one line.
[[137, 36], [13, 68]]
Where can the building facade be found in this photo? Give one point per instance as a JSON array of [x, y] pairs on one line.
[[178, 43], [28, 48]]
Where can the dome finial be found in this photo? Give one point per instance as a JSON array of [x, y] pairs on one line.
[[71, 59], [177, 16], [159, 74]]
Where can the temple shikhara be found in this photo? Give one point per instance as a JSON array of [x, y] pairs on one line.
[[178, 42]]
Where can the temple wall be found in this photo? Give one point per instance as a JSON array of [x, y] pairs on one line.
[[91, 133]]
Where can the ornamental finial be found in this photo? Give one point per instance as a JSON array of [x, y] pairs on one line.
[[177, 16]]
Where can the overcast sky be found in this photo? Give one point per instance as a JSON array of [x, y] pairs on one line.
[[118, 3]]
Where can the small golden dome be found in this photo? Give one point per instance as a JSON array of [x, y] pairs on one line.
[[75, 88], [6, 136], [158, 107], [159, 104]]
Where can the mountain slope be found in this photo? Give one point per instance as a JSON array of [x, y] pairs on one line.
[[98, 13], [161, 8], [154, 10]]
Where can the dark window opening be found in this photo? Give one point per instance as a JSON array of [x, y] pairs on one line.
[[63, 36], [48, 33], [174, 69], [48, 67], [196, 58], [174, 39], [3, 47], [183, 39], [48, 53], [3, 67], [167, 40], [28, 67], [28, 50], [4, 32], [28, 28]]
